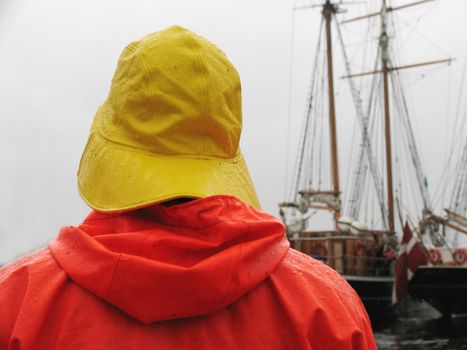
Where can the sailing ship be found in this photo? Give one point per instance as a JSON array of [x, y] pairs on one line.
[[361, 244], [443, 281]]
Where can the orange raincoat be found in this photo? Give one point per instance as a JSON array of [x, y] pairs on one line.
[[213, 273]]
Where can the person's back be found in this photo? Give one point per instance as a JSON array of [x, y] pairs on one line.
[[211, 273]]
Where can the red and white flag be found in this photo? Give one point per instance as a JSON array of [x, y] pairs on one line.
[[411, 255]]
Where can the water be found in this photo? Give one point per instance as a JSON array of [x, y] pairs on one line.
[[420, 333]]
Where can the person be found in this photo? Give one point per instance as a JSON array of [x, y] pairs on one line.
[[176, 253]]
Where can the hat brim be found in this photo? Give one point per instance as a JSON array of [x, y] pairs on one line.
[[115, 178]]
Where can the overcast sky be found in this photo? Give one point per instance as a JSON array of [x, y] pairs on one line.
[[58, 57]]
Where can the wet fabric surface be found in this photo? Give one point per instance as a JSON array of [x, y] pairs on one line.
[[213, 273]]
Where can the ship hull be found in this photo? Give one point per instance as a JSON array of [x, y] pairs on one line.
[[443, 287], [376, 295]]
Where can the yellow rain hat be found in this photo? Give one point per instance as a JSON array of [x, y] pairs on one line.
[[169, 128]]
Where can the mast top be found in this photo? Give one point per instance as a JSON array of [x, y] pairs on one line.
[[387, 9]]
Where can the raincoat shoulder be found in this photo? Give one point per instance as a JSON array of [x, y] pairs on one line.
[[26, 287], [325, 308]]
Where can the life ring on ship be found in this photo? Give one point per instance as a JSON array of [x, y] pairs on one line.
[[435, 256], [459, 256], [358, 248], [319, 249]]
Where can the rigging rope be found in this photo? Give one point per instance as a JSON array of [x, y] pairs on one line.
[[289, 107], [459, 197], [303, 138], [363, 121], [420, 174], [446, 175]]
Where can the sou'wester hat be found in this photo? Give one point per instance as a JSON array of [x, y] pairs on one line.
[[169, 128]]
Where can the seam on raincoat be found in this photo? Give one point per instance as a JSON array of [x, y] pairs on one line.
[[229, 289], [203, 71], [134, 50], [191, 43], [146, 75], [110, 290], [123, 147], [121, 273], [140, 204]]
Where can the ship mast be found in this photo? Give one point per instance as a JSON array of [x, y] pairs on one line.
[[308, 197], [384, 44], [386, 70], [306, 189], [328, 11]]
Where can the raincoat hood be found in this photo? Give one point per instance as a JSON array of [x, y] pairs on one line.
[[161, 263]]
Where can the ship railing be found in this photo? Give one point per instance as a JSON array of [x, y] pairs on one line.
[[359, 255]]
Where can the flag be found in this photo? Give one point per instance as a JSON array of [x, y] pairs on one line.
[[411, 255]]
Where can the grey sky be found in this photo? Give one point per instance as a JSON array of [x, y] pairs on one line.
[[58, 58]]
